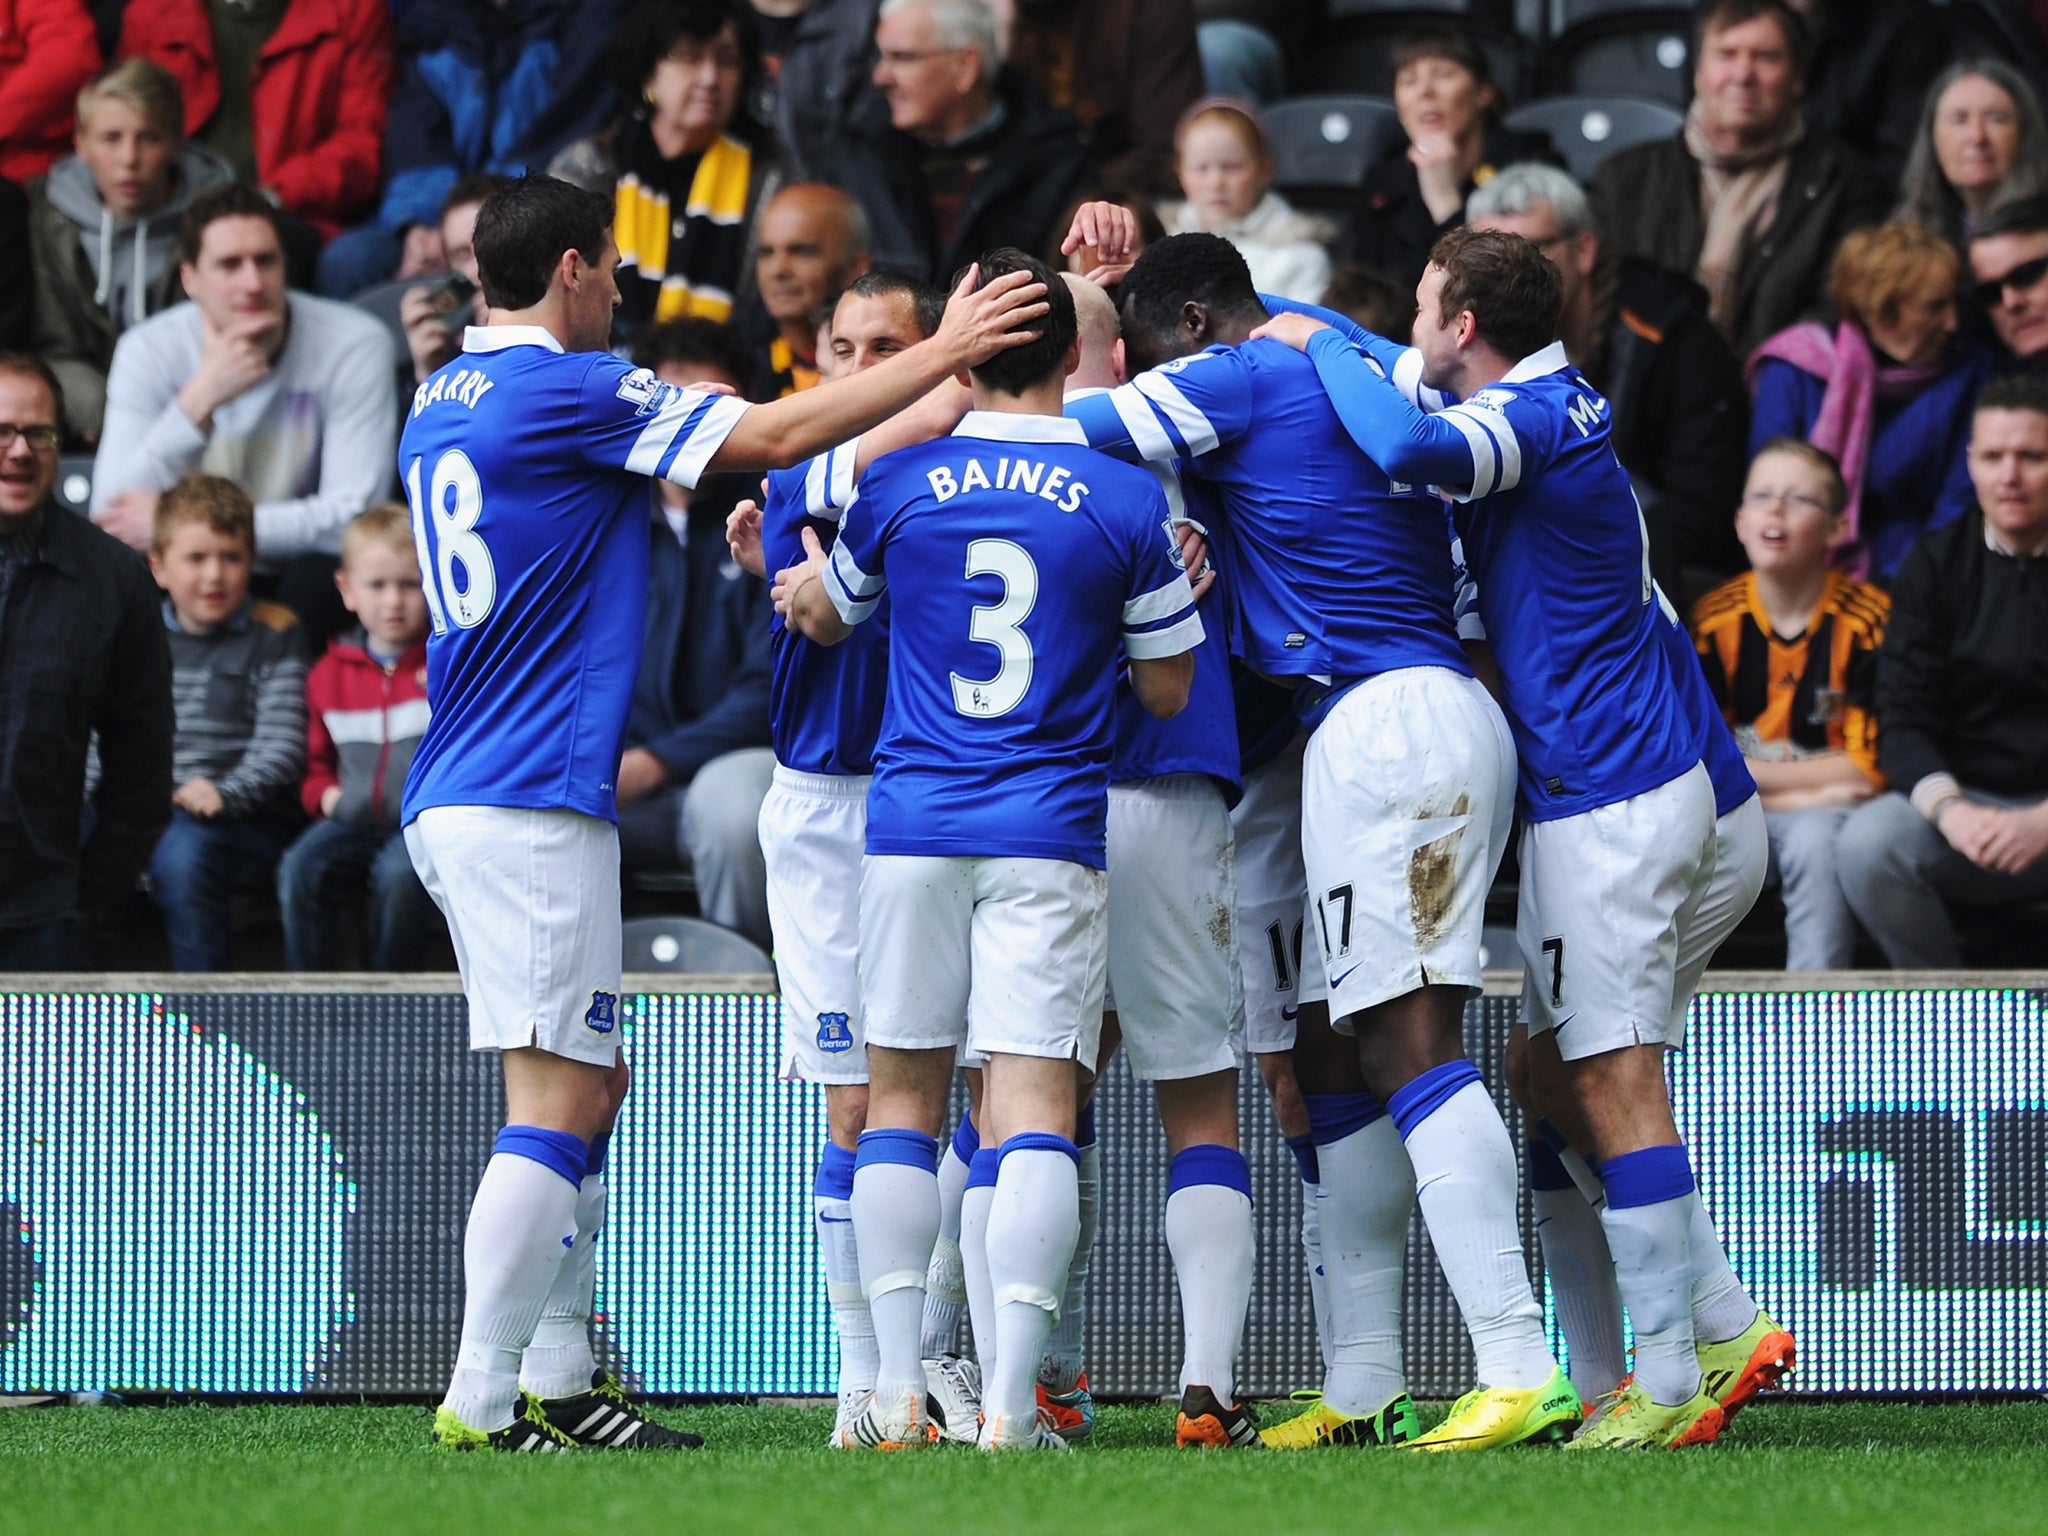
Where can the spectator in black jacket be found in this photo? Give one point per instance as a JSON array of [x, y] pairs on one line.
[[697, 761], [956, 155], [82, 650], [1749, 198], [1871, 64], [1962, 705], [1450, 109], [1642, 336]]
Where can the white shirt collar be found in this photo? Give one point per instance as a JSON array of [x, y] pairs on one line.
[[1999, 544], [496, 338], [1005, 427], [1550, 360]]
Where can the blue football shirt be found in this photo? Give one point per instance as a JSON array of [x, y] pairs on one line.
[[1336, 578], [527, 470], [1025, 565], [825, 701], [1556, 542]]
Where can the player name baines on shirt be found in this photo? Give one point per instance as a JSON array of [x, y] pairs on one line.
[[1334, 577], [526, 471], [825, 701], [996, 729]]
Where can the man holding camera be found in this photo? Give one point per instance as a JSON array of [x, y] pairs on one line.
[[435, 313]]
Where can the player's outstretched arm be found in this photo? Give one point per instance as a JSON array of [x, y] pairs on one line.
[[1406, 442], [1162, 683], [979, 323]]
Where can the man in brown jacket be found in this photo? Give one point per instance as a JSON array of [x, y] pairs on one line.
[[1745, 200]]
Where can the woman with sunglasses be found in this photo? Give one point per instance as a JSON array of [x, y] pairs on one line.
[[1886, 389]]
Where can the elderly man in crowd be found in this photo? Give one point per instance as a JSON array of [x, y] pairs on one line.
[[1746, 199], [103, 228], [1642, 336], [1962, 689], [82, 652], [290, 397], [956, 155], [811, 242]]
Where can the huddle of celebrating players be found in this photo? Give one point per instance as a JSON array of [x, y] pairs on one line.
[[1043, 787]]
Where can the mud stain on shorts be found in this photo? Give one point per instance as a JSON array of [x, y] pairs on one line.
[[1433, 875]]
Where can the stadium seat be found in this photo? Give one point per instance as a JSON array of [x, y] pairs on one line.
[[74, 482], [1322, 145], [690, 945], [1587, 129], [1619, 48]]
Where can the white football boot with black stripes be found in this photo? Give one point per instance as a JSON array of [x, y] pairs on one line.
[[900, 1425], [604, 1419]]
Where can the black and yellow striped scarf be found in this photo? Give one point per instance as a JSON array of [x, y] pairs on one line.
[[681, 227]]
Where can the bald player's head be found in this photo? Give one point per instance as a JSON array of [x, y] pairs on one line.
[[812, 240], [1102, 343]]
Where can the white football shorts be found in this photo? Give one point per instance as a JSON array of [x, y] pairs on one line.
[[1272, 903], [1742, 853], [1006, 953], [532, 903], [1407, 794], [1172, 927], [814, 830], [1606, 898]]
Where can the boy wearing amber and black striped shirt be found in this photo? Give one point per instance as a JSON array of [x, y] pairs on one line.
[[1790, 649]]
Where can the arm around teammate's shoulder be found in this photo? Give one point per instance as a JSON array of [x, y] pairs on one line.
[[979, 323]]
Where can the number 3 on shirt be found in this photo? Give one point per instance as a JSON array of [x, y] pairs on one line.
[[456, 502], [997, 625]]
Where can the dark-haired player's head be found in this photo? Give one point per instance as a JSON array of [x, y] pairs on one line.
[[1052, 356], [693, 350], [1484, 290], [1183, 294], [883, 312], [539, 235]]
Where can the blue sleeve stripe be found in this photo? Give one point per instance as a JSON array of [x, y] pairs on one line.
[[1504, 446], [854, 593], [1407, 377], [1170, 641], [1161, 602], [1142, 425], [1186, 419], [685, 462], [829, 482], [651, 447], [1485, 462]]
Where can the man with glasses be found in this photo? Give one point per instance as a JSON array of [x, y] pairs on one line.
[[1642, 338], [955, 154], [82, 650], [2009, 279]]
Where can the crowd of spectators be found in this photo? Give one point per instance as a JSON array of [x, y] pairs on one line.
[[235, 235]]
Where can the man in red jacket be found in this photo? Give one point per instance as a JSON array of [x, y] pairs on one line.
[[48, 49], [292, 92], [366, 709]]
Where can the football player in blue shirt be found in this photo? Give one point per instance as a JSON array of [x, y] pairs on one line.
[[1175, 997], [1618, 843], [1022, 561], [526, 462], [825, 714], [1343, 587]]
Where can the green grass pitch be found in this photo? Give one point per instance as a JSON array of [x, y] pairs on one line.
[[1866, 1470]]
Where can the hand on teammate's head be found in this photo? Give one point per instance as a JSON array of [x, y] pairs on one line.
[[983, 319]]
